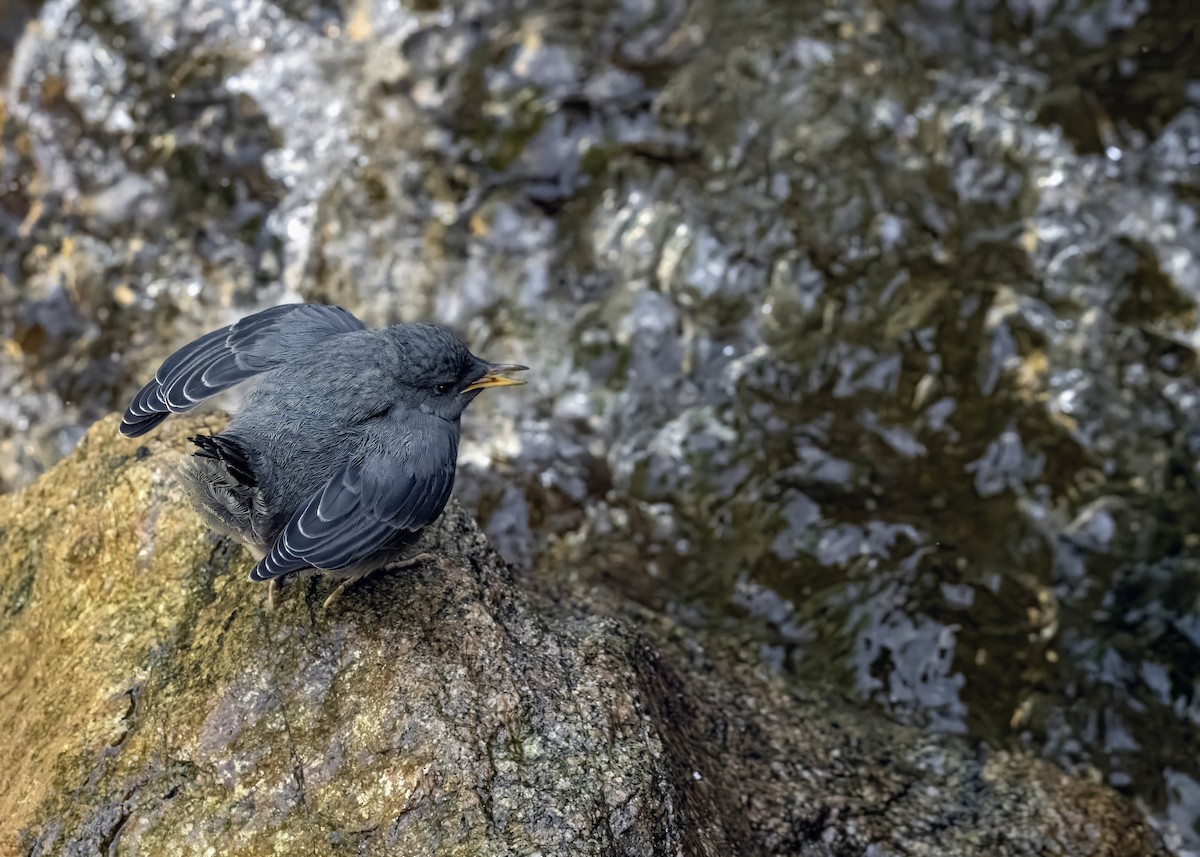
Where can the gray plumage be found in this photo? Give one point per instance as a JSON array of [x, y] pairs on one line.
[[345, 446]]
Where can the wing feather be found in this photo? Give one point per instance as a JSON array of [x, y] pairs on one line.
[[228, 356], [357, 513]]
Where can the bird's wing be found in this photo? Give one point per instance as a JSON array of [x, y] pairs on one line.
[[357, 513], [225, 357]]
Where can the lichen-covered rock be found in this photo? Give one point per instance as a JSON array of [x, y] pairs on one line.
[[153, 706]]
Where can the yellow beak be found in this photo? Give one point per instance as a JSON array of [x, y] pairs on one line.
[[496, 377]]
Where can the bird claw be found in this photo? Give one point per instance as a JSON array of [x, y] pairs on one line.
[[411, 561], [273, 587], [337, 593], [404, 563]]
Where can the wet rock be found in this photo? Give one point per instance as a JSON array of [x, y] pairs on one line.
[[153, 706]]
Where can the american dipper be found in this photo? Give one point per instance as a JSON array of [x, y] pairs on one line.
[[345, 446]]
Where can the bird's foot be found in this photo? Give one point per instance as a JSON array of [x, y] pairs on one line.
[[404, 563], [337, 593], [416, 559], [273, 587]]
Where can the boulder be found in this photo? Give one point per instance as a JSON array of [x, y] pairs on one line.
[[153, 705]]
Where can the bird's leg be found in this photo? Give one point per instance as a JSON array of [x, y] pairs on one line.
[[274, 585], [404, 563], [341, 587]]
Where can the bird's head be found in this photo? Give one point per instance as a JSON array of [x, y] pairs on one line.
[[439, 375]]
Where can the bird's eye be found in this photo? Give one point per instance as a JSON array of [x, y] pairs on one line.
[[443, 389]]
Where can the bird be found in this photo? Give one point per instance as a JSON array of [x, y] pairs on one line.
[[345, 446]]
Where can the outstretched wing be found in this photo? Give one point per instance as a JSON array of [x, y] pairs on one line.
[[218, 360], [358, 513]]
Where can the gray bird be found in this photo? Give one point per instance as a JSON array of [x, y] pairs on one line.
[[345, 446]]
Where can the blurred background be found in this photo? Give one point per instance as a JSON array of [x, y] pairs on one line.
[[864, 331]]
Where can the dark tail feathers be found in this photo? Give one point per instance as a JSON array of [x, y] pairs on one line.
[[231, 453]]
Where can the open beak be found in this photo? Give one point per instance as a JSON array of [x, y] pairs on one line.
[[497, 376]]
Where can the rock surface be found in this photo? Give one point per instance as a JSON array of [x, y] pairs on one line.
[[152, 706]]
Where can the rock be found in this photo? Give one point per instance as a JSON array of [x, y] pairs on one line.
[[152, 706]]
